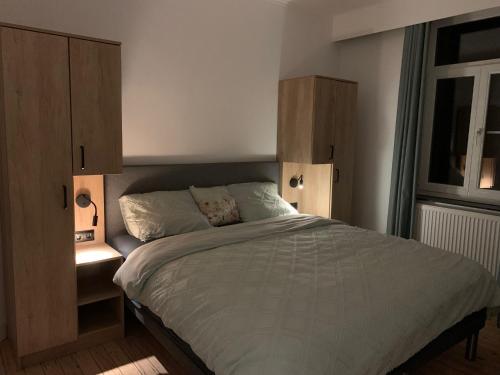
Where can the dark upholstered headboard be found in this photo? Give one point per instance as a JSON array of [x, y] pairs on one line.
[[145, 179]]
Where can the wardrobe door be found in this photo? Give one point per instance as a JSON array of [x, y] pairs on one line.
[[345, 104], [295, 120], [96, 107], [323, 149], [37, 136]]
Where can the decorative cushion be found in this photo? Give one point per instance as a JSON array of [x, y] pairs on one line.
[[216, 204], [160, 214], [259, 200]]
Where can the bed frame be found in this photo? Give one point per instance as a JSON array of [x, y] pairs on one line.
[[143, 179], [467, 329]]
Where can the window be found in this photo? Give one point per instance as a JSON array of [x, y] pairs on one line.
[[467, 42], [460, 156], [450, 130], [490, 159]]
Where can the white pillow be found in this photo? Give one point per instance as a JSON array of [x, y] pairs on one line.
[[259, 200], [216, 204], [160, 214]]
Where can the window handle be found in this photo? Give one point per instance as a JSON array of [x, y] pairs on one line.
[[332, 152], [337, 175]]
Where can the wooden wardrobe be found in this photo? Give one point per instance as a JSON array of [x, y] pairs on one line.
[[316, 128], [60, 116]]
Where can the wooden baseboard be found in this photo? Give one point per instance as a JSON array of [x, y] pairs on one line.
[[83, 342]]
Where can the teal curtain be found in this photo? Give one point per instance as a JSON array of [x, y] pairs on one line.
[[407, 137]]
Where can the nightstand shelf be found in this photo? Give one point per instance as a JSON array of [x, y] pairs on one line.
[[100, 291], [100, 301], [98, 316]]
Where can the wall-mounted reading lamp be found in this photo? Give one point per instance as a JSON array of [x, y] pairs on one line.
[[297, 182], [83, 201]]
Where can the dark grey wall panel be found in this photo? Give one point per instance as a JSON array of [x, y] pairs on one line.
[[145, 179]]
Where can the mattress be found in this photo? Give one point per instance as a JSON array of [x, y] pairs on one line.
[[125, 244], [302, 294]]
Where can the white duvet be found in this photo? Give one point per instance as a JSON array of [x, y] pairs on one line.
[[304, 295]]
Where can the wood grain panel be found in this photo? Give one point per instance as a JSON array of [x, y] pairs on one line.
[[324, 117], [94, 186], [307, 118], [52, 32], [315, 198], [295, 118], [345, 99], [38, 145], [5, 228], [86, 363], [96, 107]]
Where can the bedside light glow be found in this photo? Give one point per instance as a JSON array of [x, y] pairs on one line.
[[94, 254]]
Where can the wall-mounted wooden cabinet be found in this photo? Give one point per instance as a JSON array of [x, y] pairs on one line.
[[96, 107], [43, 98], [315, 119], [316, 139]]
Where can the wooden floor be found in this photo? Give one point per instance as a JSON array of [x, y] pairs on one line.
[[141, 354]]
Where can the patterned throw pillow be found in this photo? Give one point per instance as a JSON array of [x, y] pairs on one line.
[[216, 204]]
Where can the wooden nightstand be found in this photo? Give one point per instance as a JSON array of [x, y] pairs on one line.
[[100, 301]]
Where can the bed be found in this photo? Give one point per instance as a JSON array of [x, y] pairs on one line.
[[297, 294]]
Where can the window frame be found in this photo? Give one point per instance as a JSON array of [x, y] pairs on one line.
[[480, 135], [481, 71], [427, 132]]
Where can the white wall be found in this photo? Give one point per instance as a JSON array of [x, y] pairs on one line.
[[199, 77], [307, 47], [375, 62], [392, 14]]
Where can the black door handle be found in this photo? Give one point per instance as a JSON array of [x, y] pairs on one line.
[[65, 197], [332, 151], [82, 156]]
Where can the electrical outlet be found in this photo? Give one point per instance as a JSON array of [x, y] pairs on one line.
[[84, 236]]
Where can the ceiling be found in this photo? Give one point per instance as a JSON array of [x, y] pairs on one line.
[[334, 6]]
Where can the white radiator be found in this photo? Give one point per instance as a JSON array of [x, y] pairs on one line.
[[473, 234]]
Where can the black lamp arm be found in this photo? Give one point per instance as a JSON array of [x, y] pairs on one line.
[[95, 218], [83, 201]]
